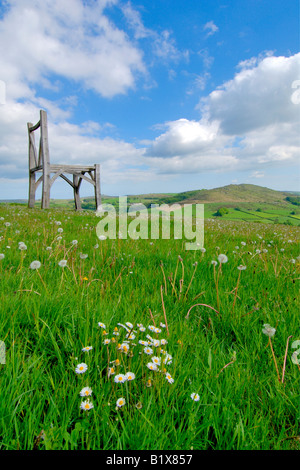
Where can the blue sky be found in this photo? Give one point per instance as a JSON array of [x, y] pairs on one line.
[[166, 95]]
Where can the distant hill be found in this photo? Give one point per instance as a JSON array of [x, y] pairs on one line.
[[236, 193]]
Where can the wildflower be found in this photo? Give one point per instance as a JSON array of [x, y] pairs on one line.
[[60, 230], [162, 325], [83, 256], [130, 336], [139, 405], [142, 328], [195, 397], [169, 378], [74, 242], [243, 243], [163, 341], [130, 376], [222, 258], [203, 250], [86, 392], [22, 246], [241, 267], [151, 327], [62, 263], [156, 360], [35, 265], [48, 248], [101, 325], [152, 366], [157, 330], [120, 378], [120, 402], [268, 330], [149, 383], [148, 351], [124, 347], [144, 343], [87, 348], [111, 371], [130, 325], [214, 262], [106, 341], [2, 256], [86, 405], [81, 368]]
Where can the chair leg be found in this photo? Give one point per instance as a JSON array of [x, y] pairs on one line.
[[46, 189], [97, 186], [76, 185], [31, 199]]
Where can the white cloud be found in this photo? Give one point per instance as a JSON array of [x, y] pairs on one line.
[[249, 122], [211, 27], [78, 43]]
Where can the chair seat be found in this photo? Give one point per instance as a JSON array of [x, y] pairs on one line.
[[71, 168]]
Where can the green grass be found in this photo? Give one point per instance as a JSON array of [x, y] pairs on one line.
[[213, 319]]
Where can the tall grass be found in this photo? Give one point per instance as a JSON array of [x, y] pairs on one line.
[[211, 318]]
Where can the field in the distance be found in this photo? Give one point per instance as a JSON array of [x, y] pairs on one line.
[[163, 325]]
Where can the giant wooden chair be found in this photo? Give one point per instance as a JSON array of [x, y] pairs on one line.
[[39, 162]]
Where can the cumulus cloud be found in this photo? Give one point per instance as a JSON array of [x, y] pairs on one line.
[[78, 43], [249, 122]]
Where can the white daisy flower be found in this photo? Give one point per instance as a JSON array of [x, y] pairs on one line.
[[81, 368], [86, 392], [120, 378], [195, 397], [148, 350], [130, 376], [152, 366], [86, 405], [120, 402], [87, 348]]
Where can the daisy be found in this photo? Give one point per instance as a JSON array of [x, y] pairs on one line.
[[106, 341], [120, 402], [130, 376], [87, 348], [120, 378], [81, 368], [101, 325], [124, 347], [148, 351], [86, 392], [86, 405], [169, 378], [156, 360], [152, 366], [195, 397]]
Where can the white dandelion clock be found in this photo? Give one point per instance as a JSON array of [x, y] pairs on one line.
[[35, 265]]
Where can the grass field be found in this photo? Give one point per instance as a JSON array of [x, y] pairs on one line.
[[173, 321]]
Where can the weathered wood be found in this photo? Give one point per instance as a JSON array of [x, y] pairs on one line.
[[41, 163]]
